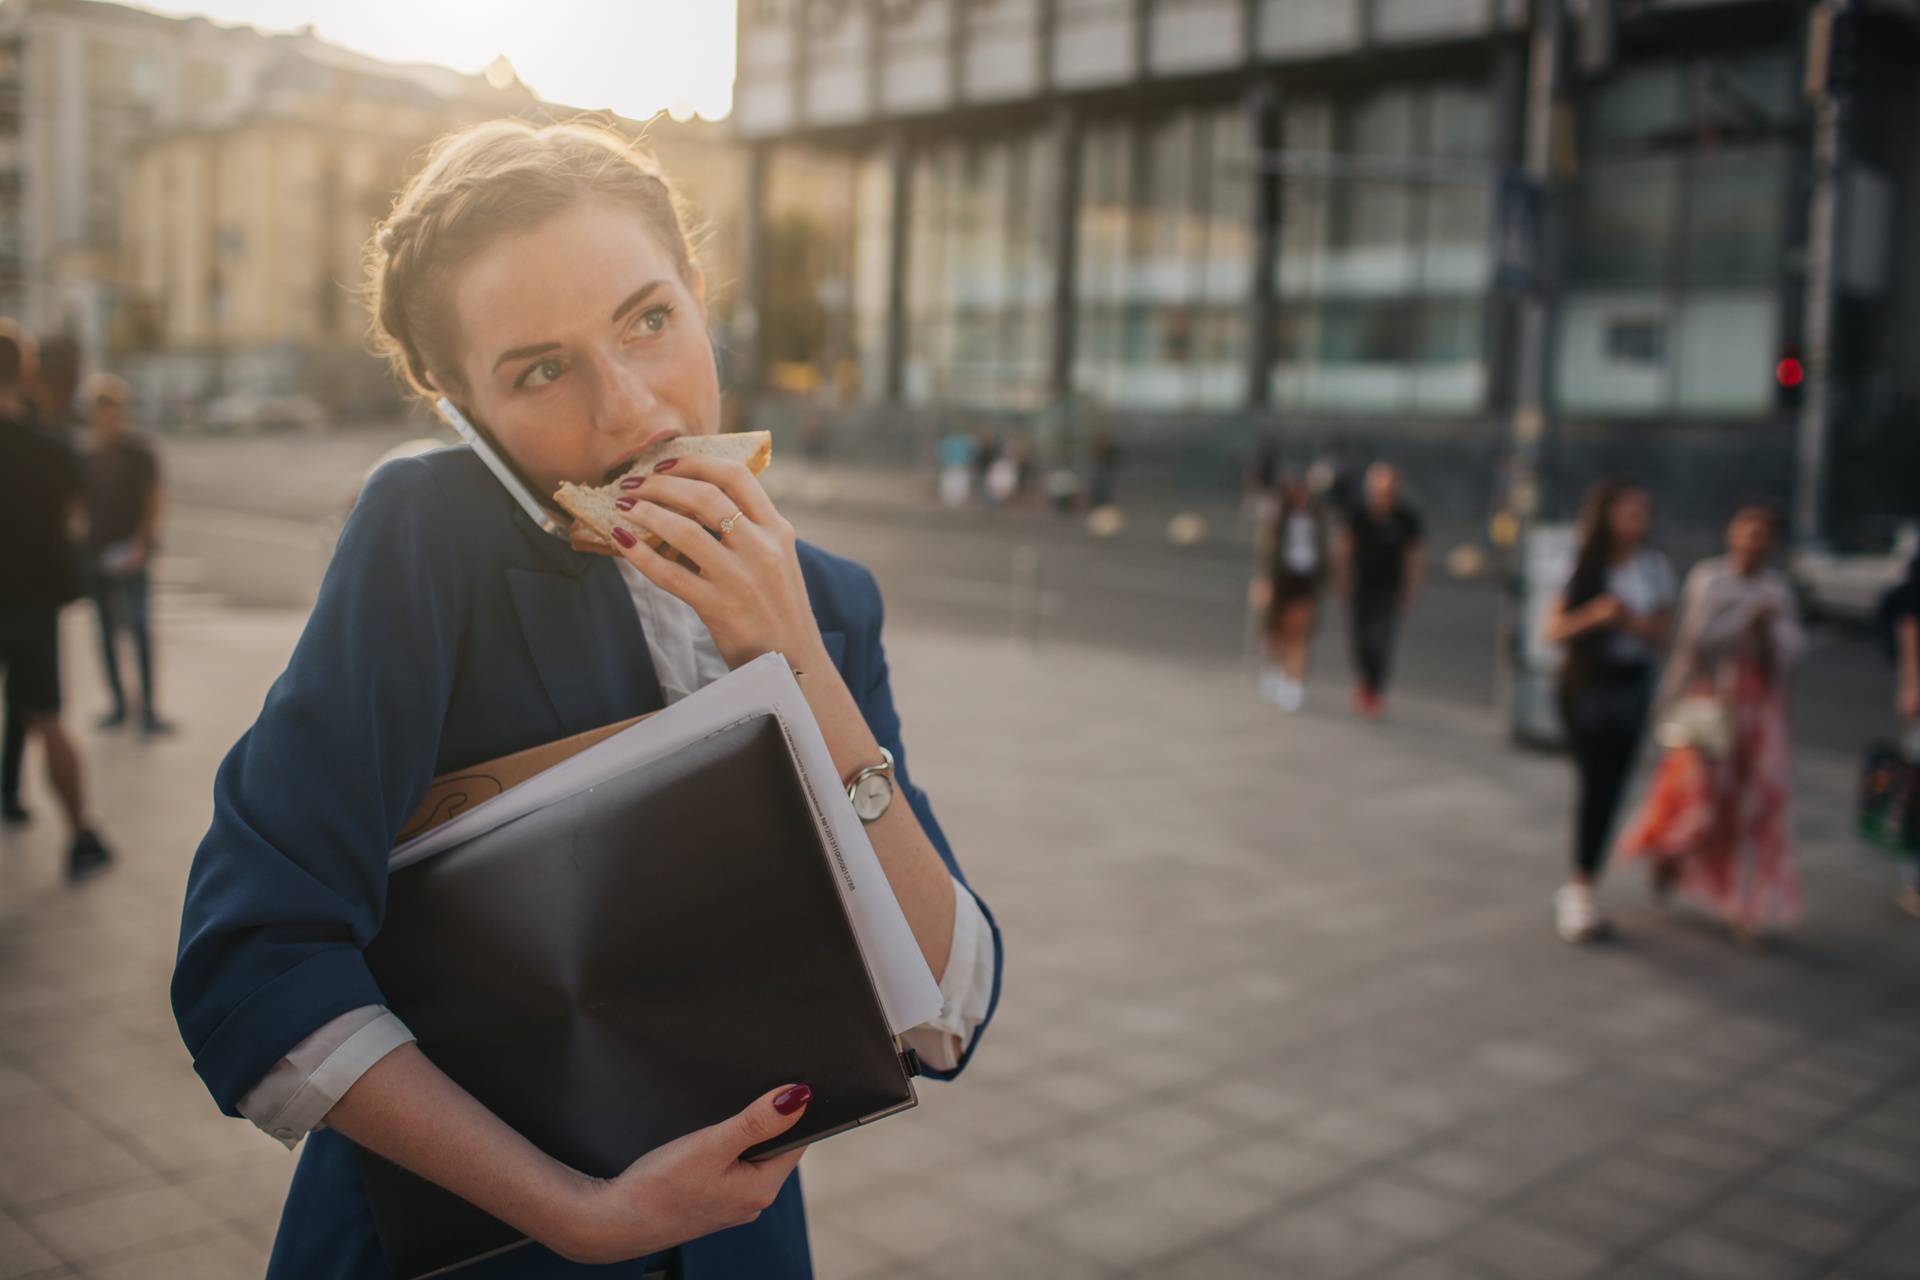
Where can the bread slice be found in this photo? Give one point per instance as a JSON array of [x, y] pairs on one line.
[[592, 509]]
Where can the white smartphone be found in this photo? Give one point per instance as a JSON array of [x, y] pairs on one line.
[[503, 471]]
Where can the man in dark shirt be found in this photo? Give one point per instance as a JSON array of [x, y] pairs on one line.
[[1379, 559], [39, 485], [52, 388], [123, 512]]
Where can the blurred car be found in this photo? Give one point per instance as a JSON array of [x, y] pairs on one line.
[[1843, 578], [244, 413]]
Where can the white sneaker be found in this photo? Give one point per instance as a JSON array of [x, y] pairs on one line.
[[1270, 685], [1293, 695], [1576, 915]]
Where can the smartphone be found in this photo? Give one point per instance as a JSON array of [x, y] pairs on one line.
[[502, 469]]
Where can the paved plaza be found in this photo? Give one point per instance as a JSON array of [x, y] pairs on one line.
[[1281, 1000]]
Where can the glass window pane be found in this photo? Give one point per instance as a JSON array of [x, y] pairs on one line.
[[1736, 211], [1623, 220], [1727, 347], [1637, 104]]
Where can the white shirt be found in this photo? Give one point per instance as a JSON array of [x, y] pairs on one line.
[[296, 1094], [1645, 585]]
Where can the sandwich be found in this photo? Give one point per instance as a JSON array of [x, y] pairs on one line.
[[592, 507]]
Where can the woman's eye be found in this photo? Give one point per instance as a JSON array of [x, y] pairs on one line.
[[544, 372], [653, 319]]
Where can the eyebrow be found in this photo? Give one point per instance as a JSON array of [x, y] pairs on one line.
[[633, 300]]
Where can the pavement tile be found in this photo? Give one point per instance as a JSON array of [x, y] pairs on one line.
[[1313, 1244], [1889, 1253], [96, 1227], [1122, 1225], [1219, 1262], [1515, 1249], [1785, 1227], [221, 1255], [1597, 1215], [21, 1253], [51, 1152], [1010, 1252], [1288, 1170], [839, 1254], [1354, 1131], [1404, 1207], [1710, 1254]]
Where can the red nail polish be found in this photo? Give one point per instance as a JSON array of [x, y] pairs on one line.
[[633, 482], [668, 465], [625, 504], [623, 537], [788, 1101]]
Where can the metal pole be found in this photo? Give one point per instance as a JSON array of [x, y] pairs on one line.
[[1816, 402], [1530, 397]]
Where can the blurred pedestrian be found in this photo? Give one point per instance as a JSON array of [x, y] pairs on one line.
[[956, 468], [51, 390], [39, 493], [1613, 617], [1002, 482], [1294, 568], [1379, 559], [123, 494], [1715, 823]]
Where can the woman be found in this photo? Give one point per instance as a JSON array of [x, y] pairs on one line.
[[1289, 593], [542, 279], [1715, 823], [1613, 619]]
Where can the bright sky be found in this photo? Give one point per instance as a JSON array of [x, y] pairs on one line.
[[636, 57]]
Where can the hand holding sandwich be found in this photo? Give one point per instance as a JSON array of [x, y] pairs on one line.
[[745, 582]]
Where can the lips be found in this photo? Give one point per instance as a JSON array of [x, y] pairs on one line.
[[619, 468]]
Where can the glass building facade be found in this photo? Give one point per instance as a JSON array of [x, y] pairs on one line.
[[1677, 233], [1381, 292], [1382, 271], [1165, 260]]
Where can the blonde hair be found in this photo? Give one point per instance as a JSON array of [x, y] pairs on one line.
[[482, 182]]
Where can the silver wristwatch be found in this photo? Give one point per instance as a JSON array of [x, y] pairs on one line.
[[871, 789]]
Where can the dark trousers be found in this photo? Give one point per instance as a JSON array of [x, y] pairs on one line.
[[12, 752], [121, 602], [1605, 715], [1376, 620]]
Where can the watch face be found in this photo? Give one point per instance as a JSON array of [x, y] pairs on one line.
[[872, 796]]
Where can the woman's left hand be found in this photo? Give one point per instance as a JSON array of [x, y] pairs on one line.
[[749, 590]]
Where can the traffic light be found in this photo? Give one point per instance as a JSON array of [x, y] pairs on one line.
[[1789, 377]]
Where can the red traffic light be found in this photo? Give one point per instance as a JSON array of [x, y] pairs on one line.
[[1790, 372]]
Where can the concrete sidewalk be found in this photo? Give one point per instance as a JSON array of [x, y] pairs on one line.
[[1282, 999]]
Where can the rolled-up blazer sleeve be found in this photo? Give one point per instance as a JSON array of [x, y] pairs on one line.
[[876, 701], [290, 882]]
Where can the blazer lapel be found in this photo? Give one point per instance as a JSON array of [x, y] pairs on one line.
[[586, 644]]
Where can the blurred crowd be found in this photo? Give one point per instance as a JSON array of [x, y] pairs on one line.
[[1702, 665], [80, 506]]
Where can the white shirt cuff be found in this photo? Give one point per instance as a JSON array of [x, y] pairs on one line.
[[965, 988], [294, 1097]]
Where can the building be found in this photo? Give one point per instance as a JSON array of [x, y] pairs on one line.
[[1511, 243], [192, 200]]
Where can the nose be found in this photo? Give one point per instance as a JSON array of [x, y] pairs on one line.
[[624, 398]]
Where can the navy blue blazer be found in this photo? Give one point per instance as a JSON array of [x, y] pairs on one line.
[[448, 630]]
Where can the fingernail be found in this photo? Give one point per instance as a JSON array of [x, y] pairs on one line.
[[668, 465], [623, 537], [625, 504], [788, 1101], [633, 482]]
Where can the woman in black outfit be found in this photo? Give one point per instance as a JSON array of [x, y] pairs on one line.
[[1613, 619]]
